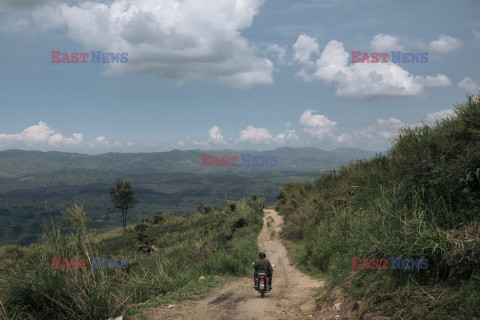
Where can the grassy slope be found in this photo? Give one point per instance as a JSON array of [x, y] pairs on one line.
[[216, 241], [420, 200], [22, 207]]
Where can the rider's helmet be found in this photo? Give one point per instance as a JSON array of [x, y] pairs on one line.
[[262, 255]]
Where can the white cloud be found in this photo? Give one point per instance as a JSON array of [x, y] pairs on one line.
[[318, 128], [255, 135], [385, 42], [440, 115], [264, 136], [445, 44], [304, 47], [439, 80], [286, 136], [476, 34], [248, 136], [366, 80], [199, 143], [317, 125], [215, 135], [469, 85], [279, 52], [42, 137], [179, 40], [376, 135]]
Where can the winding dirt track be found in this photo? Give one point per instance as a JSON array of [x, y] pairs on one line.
[[291, 297]]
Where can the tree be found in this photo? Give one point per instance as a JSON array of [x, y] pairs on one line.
[[123, 198]]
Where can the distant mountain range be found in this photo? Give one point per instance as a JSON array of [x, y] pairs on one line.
[[175, 181], [17, 163]]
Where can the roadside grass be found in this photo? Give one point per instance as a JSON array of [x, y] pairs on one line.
[[420, 200], [213, 242], [196, 290]]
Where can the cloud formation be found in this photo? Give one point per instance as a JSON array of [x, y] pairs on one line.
[[215, 135], [250, 136], [42, 137], [304, 47], [476, 34], [317, 126], [279, 52], [445, 44], [178, 40], [469, 85], [440, 115], [375, 136], [255, 135], [378, 134], [361, 81], [385, 42]]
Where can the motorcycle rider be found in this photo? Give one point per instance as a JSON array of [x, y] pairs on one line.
[[263, 265]]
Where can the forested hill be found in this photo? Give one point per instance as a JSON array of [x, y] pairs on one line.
[[17, 163], [172, 181]]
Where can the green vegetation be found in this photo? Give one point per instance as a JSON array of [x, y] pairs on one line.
[[19, 163], [216, 242], [123, 198], [22, 207], [420, 200], [171, 181]]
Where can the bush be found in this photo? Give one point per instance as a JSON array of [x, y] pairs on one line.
[[157, 219]]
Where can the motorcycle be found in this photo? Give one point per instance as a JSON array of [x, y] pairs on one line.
[[263, 285]]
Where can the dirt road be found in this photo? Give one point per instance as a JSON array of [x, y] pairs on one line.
[[291, 297]]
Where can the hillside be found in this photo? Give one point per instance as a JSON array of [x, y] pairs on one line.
[[18, 163], [418, 203], [169, 181], [196, 252]]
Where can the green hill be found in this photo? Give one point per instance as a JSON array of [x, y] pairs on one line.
[[421, 200], [18, 163], [164, 181]]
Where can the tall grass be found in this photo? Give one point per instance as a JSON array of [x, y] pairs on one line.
[[217, 242], [420, 200]]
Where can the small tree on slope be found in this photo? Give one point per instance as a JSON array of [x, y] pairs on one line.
[[123, 198]]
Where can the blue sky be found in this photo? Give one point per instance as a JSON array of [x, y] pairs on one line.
[[245, 74]]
